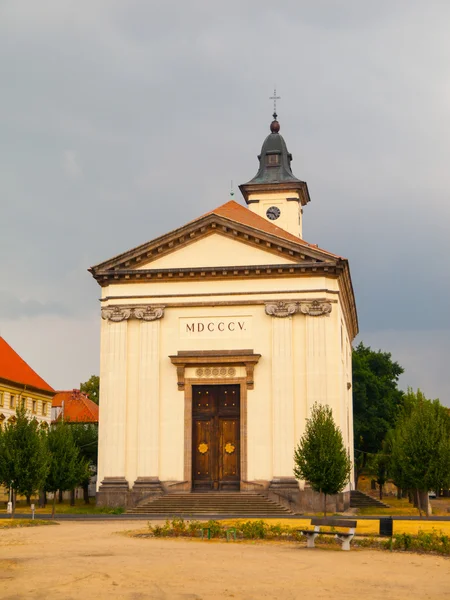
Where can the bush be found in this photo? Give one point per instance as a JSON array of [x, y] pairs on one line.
[[423, 542], [253, 530], [434, 542]]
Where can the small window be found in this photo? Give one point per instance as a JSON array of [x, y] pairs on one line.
[[273, 159], [44, 408], [1, 398], [34, 404], [12, 401], [23, 402]]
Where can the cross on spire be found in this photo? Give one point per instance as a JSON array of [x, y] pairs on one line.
[[275, 98]]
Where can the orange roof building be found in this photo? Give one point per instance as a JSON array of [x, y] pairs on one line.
[[19, 383], [217, 339], [75, 407]]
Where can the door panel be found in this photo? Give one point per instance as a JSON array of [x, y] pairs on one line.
[[216, 437], [202, 453], [229, 452]]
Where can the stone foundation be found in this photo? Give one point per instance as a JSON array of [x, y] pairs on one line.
[[115, 492]]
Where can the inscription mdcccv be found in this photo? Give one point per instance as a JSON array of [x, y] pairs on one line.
[[204, 327], [198, 327]]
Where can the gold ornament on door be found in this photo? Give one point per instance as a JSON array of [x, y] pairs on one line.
[[203, 448], [229, 448]]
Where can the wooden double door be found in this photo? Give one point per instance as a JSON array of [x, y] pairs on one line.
[[215, 437]]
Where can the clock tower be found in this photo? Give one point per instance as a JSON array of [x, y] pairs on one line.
[[274, 193]]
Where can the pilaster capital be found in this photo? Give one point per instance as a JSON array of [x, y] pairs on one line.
[[148, 312], [116, 313], [313, 308], [145, 312], [281, 309]]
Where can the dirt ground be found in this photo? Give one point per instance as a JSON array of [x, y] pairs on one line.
[[93, 560]]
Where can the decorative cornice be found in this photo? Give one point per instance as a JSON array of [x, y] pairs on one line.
[[145, 312], [286, 309], [134, 259], [215, 358]]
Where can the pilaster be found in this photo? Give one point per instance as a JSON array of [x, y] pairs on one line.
[[148, 437], [282, 397]]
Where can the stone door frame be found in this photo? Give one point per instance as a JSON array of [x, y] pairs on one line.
[[188, 421], [243, 362]]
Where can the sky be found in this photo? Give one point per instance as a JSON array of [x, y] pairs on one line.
[[124, 119]]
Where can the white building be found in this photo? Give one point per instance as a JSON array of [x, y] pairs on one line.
[[216, 340]]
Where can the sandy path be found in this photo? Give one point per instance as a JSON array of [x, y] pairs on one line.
[[90, 560]]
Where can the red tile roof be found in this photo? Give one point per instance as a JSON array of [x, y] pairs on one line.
[[77, 407], [13, 368], [236, 212]]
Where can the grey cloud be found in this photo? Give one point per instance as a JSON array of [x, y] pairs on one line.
[[160, 105], [12, 307]]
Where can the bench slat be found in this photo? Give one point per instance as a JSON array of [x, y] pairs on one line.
[[333, 522]]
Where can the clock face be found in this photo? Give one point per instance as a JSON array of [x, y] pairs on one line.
[[273, 213]]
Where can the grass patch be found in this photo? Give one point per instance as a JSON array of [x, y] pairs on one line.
[[13, 523], [404, 508], [80, 508]]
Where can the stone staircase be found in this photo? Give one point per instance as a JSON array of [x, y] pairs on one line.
[[242, 504], [360, 500]]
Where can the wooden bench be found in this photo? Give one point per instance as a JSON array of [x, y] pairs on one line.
[[318, 522]]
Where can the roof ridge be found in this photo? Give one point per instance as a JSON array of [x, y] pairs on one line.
[[14, 368], [268, 227]]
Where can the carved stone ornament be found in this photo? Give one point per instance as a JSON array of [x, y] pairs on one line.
[[149, 313], [316, 308], [145, 312], [281, 309], [116, 314]]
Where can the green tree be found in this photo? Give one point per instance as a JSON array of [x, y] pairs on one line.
[[91, 387], [85, 436], [24, 459], [376, 401], [320, 457], [67, 466], [421, 447], [379, 466]]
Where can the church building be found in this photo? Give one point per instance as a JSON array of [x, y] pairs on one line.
[[216, 340]]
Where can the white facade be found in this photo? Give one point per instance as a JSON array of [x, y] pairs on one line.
[[230, 298]]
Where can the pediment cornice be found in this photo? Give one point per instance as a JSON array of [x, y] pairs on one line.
[[212, 224]]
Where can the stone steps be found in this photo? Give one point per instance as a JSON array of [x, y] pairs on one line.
[[211, 503], [360, 500]]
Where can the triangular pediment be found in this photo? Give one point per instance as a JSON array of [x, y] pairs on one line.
[[231, 235], [215, 250]]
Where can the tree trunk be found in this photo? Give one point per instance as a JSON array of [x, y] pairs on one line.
[[54, 505], [381, 490], [72, 497], [60, 496], [411, 498], [42, 499], [28, 499], [86, 493], [399, 492], [419, 506], [324, 504], [425, 502], [13, 502]]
